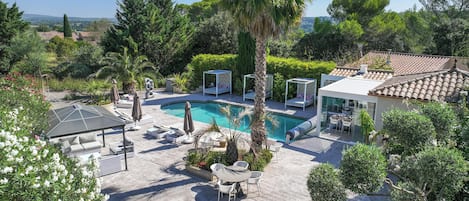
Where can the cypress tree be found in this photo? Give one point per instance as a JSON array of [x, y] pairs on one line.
[[246, 53], [67, 28]]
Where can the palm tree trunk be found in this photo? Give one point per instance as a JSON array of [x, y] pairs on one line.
[[258, 131], [129, 87]]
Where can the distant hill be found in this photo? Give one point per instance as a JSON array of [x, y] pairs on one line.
[[308, 22], [46, 19]]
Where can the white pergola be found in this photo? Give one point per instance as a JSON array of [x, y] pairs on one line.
[[306, 88], [268, 87], [347, 88], [223, 83]]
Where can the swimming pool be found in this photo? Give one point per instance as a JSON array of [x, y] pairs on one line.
[[206, 111]]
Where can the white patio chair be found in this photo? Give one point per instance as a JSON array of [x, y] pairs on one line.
[[215, 167], [243, 164], [226, 189], [334, 122], [347, 123], [254, 179]]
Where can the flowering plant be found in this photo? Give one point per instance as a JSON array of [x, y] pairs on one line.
[[29, 168]]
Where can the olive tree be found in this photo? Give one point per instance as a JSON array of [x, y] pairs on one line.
[[436, 172], [324, 184], [443, 119], [363, 168], [409, 131]]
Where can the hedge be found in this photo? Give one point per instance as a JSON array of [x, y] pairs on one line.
[[288, 67]]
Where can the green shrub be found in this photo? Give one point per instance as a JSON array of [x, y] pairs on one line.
[[205, 159], [279, 88], [287, 67], [324, 184], [264, 158], [204, 62], [214, 157], [193, 158], [238, 86], [74, 85], [180, 81]]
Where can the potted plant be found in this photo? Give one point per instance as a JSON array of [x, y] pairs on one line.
[[234, 122]]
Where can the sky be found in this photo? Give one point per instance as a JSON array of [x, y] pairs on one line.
[[107, 8]]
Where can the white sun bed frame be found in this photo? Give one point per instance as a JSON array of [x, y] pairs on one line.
[[223, 82], [268, 87], [305, 92]]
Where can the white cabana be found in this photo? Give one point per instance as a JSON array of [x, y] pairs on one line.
[[222, 82], [346, 96], [305, 92], [251, 93]]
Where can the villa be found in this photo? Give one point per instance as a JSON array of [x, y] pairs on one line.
[[380, 81]]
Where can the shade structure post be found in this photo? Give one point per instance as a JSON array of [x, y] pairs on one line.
[[216, 84], [231, 83], [104, 142], [244, 88], [286, 94], [304, 95], [203, 84], [125, 147]]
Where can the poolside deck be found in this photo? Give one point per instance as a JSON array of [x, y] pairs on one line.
[[156, 172]]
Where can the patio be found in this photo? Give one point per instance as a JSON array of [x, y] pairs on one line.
[[157, 169]]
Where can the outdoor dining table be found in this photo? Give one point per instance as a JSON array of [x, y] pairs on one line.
[[234, 174]]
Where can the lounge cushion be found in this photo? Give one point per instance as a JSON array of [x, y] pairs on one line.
[[91, 145], [76, 147], [87, 138], [66, 146], [75, 141]]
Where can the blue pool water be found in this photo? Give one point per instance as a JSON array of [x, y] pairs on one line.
[[206, 111]]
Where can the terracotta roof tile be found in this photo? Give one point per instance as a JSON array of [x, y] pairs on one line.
[[372, 74], [404, 63], [443, 85]]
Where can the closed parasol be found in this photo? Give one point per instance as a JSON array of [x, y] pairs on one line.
[[188, 122], [136, 111], [114, 92]]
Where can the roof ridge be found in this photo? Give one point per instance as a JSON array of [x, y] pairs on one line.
[[410, 54], [458, 70], [369, 69], [423, 75]]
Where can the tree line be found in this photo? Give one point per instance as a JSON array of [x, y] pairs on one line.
[[169, 34]]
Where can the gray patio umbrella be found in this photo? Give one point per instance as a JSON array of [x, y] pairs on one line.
[[114, 92], [188, 122], [136, 110]]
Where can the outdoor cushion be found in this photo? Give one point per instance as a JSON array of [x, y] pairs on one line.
[[91, 145], [87, 138], [76, 147], [75, 141], [66, 146]]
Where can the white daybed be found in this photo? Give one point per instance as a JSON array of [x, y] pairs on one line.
[[222, 82], [305, 92], [252, 94]]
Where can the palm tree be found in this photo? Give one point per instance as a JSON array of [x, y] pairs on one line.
[[128, 69], [263, 19], [234, 122]]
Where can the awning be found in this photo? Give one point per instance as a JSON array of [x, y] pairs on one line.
[[351, 88]]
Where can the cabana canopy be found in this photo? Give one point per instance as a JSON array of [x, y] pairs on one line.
[[222, 82], [305, 92], [76, 119], [268, 87]]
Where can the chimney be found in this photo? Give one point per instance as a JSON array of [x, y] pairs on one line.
[[388, 58], [363, 69]]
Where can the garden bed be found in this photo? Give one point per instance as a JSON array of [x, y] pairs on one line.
[[204, 174]]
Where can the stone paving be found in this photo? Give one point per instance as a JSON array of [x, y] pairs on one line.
[[157, 170]]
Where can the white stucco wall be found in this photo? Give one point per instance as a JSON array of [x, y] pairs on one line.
[[386, 104]]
